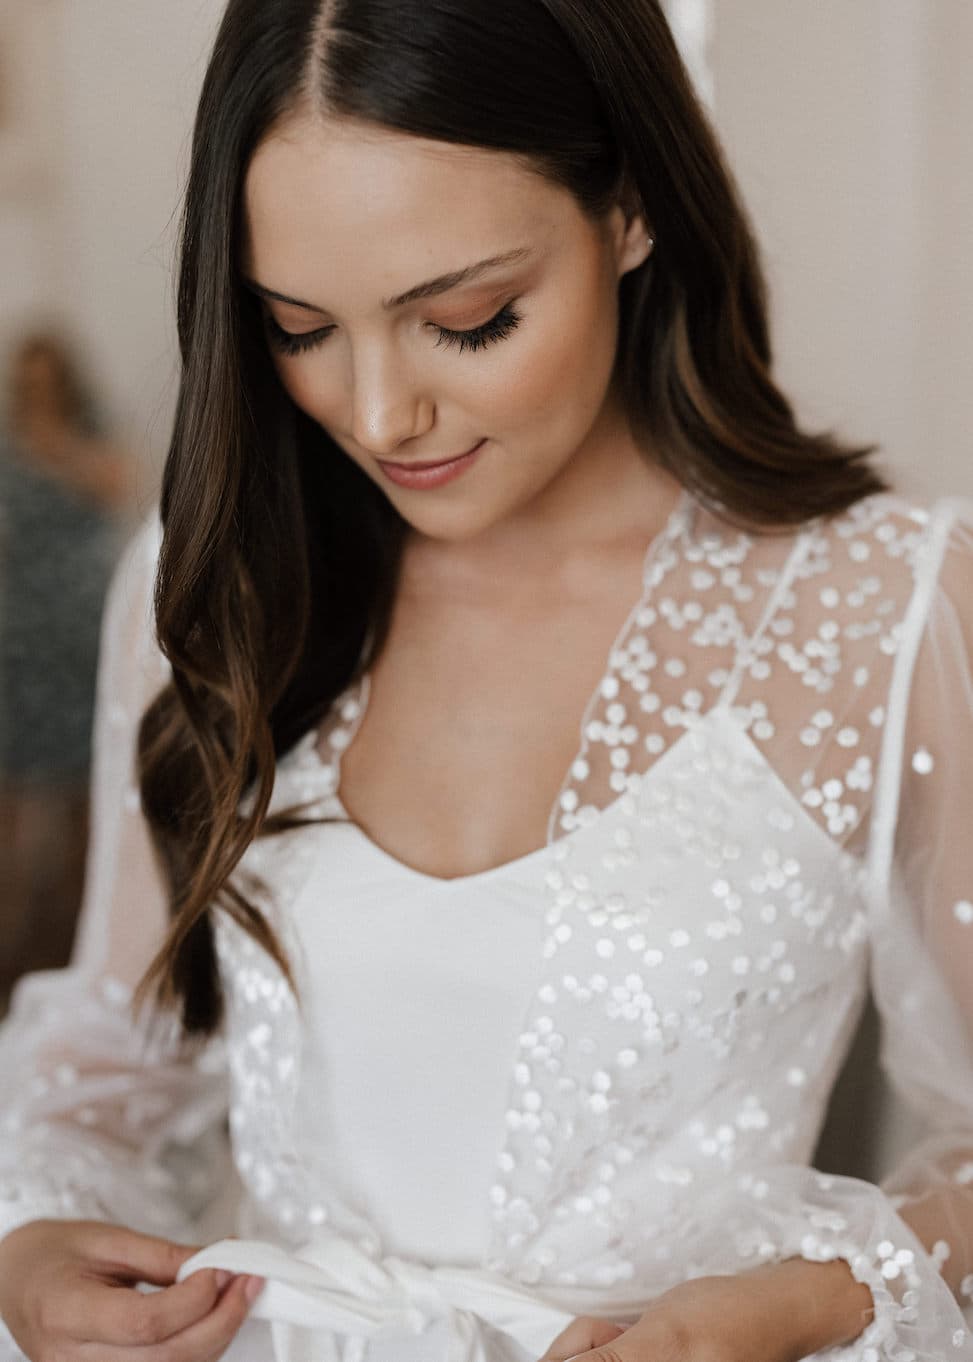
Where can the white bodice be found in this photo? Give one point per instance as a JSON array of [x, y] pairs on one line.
[[438, 978], [606, 1028]]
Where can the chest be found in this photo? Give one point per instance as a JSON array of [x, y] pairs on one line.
[[496, 722], [473, 721]]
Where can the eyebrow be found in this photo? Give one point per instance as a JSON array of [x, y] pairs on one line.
[[431, 289]]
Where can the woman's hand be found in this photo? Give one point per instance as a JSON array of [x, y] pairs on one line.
[[67, 1292], [777, 1313]]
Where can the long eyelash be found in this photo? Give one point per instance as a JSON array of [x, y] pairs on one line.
[[498, 328], [290, 344]]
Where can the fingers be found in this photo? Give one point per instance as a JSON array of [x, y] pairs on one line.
[[122, 1317], [212, 1336], [204, 1341], [128, 1255]]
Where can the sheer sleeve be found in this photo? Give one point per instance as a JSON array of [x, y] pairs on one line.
[[100, 1117], [922, 884]]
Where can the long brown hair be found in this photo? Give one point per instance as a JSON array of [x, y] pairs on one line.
[[279, 557]]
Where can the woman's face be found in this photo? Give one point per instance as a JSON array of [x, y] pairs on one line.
[[437, 305]]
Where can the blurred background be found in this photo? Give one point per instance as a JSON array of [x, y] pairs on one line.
[[847, 122]]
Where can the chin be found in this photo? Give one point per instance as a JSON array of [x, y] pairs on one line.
[[451, 524]]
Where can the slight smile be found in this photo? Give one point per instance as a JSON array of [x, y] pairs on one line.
[[425, 476]]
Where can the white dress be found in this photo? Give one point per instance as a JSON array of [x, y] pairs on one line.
[[565, 1084]]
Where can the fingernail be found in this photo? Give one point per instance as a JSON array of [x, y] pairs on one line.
[[253, 1288], [222, 1278]]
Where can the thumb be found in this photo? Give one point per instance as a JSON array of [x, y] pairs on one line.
[[580, 1337]]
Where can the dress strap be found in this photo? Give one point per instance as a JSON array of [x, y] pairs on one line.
[[747, 648]]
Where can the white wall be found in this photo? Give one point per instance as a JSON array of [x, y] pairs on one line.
[[849, 126], [130, 74], [32, 267], [96, 247]]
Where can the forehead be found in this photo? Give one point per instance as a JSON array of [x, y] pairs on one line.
[[348, 207]]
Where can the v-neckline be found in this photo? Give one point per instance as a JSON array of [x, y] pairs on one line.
[[358, 694], [509, 868], [721, 719]]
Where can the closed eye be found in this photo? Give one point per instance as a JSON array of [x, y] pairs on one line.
[[294, 342], [497, 329]]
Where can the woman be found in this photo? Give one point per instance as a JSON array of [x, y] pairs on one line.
[[476, 395], [61, 488]]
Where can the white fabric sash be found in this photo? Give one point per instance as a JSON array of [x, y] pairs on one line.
[[331, 1286]]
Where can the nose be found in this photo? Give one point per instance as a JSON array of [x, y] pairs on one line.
[[389, 406]]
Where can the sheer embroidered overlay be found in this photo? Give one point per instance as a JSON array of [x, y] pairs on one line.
[[767, 815]]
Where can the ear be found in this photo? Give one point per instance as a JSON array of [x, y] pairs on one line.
[[632, 238]]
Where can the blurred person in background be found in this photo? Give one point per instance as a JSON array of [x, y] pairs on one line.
[[63, 487]]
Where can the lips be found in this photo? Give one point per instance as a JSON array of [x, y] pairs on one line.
[[422, 476], [416, 467]]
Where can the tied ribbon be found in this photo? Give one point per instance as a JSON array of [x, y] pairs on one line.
[[331, 1286]]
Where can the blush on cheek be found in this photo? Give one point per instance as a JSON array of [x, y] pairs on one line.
[[309, 394], [568, 369]]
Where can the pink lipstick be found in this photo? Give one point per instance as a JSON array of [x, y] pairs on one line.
[[424, 477]]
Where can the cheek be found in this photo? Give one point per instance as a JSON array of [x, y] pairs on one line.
[[311, 388], [560, 377]]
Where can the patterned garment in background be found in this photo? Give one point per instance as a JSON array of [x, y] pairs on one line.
[[57, 551]]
